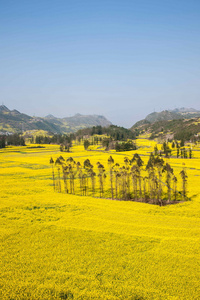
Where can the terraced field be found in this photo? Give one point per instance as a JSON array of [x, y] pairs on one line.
[[61, 246]]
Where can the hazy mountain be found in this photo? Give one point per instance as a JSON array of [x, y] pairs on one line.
[[4, 109], [184, 110], [50, 117], [167, 115], [163, 116], [187, 113], [14, 121], [182, 123]]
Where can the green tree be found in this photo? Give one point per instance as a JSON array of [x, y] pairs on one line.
[[190, 153], [86, 144], [182, 143]]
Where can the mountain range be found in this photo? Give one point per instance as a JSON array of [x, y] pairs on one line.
[[173, 123], [180, 123], [167, 115], [13, 121]]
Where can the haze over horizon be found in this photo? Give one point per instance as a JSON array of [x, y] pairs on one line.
[[119, 59]]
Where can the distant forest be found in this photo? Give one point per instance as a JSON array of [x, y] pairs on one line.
[[112, 137], [117, 133], [12, 139]]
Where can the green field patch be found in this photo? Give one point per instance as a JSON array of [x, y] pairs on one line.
[[33, 147], [32, 166]]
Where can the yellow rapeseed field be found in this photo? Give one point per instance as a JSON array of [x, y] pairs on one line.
[[62, 246]]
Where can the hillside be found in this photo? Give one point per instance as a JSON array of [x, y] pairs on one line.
[[78, 121], [187, 113], [167, 115], [12, 121], [178, 124]]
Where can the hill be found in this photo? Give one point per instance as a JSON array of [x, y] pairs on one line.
[[12, 121], [179, 124], [167, 115], [187, 113]]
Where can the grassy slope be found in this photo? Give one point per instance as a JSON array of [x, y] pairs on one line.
[[181, 129], [56, 245]]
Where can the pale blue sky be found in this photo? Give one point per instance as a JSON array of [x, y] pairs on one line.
[[122, 59]]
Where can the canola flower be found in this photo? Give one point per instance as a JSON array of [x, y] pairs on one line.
[[65, 246], [132, 180]]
